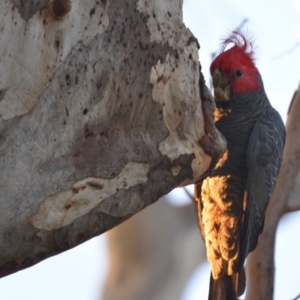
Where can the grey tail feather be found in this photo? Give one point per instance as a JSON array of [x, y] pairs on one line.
[[227, 287], [241, 282]]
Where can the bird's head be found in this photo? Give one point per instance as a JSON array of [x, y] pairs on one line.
[[233, 71]]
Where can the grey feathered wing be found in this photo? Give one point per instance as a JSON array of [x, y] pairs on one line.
[[263, 160]]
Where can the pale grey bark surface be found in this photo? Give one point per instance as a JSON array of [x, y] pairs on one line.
[[100, 115]]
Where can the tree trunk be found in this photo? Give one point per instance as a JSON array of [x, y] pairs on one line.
[[101, 115], [153, 254]]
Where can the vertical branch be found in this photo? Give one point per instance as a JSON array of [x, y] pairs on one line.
[[260, 263]]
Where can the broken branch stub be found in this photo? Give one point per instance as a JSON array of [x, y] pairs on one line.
[[100, 116], [60, 8]]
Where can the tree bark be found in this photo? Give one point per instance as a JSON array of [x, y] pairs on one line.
[[285, 197], [100, 116]]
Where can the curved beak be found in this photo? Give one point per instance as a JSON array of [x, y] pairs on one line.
[[221, 85]]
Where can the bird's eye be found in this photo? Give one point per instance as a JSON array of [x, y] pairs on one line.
[[238, 73]]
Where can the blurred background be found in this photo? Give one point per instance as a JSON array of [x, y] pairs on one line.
[[159, 253]]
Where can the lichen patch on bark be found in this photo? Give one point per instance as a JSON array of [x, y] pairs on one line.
[[63, 208]]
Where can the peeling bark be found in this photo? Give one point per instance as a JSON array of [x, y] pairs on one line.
[[100, 116], [260, 263]]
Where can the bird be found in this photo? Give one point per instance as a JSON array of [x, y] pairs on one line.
[[233, 198]]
